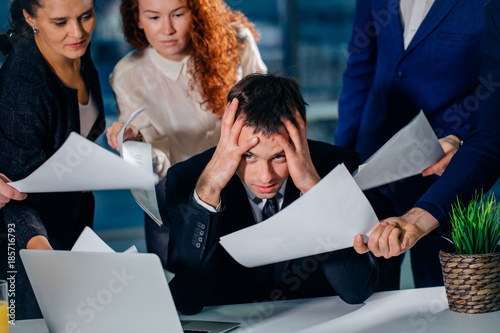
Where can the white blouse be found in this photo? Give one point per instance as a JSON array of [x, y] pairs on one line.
[[88, 116], [175, 123]]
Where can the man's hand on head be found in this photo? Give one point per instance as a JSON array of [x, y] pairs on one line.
[[226, 158], [297, 153]]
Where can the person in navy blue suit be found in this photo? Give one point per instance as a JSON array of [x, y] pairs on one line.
[[263, 159], [406, 56], [476, 165]]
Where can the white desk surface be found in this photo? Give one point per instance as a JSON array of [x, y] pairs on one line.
[[403, 311]]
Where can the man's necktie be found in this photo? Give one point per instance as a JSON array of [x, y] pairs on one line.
[[275, 271], [270, 208]]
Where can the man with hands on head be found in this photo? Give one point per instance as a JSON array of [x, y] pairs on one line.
[[7, 192], [263, 159]]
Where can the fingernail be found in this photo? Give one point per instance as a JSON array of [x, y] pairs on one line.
[[233, 101]]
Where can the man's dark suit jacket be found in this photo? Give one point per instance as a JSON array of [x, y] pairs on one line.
[[477, 163], [207, 275]]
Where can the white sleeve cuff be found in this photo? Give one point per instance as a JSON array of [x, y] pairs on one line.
[[205, 205]]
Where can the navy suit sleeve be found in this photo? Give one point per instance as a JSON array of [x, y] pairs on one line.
[[193, 259], [193, 238], [352, 275], [358, 77], [477, 163]]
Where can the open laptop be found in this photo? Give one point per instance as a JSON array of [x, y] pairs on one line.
[[106, 292]]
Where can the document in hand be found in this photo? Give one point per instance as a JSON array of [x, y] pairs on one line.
[[81, 165], [140, 155], [409, 152], [324, 219]]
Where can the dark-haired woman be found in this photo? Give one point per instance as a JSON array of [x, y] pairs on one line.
[[48, 89]]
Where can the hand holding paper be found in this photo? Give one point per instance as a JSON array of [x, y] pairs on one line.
[[81, 165], [118, 131], [397, 235], [410, 151], [450, 145], [139, 154], [119, 137]]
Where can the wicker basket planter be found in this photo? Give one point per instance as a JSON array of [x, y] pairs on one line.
[[472, 282]]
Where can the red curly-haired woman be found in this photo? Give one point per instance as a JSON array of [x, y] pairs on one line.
[[189, 54]]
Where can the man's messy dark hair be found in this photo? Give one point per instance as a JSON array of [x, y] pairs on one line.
[[265, 98]]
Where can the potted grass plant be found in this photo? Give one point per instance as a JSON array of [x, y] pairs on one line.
[[471, 273]]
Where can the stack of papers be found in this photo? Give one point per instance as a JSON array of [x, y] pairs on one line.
[[140, 155]]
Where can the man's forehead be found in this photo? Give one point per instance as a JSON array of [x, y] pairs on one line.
[[267, 147], [266, 150], [249, 132]]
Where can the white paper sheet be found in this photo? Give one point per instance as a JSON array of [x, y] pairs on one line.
[[119, 137], [324, 219], [409, 152], [140, 155], [89, 241], [81, 165]]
